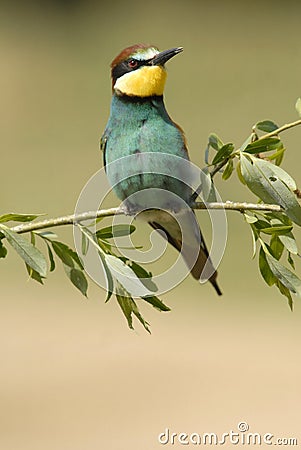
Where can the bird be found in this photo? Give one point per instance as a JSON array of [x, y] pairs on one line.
[[139, 125]]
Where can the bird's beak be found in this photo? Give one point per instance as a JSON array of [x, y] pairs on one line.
[[161, 58]]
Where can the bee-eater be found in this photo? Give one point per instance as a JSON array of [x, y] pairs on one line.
[[139, 124]]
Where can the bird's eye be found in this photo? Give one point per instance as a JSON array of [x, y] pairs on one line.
[[132, 64]]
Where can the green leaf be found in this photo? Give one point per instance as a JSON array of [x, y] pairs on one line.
[[276, 247], [51, 258], [277, 155], [115, 231], [290, 260], [250, 218], [215, 142], [18, 217], [77, 278], [126, 276], [129, 307], [286, 292], [66, 254], [261, 224], [289, 242], [284, 275], [110, 281], [280, 229], [144, 276], [284, 176], [228, 170], [298, 106], [239, 174], [254, 240], [85, 244], [3, 250], [30, 254], [223, 153], [266, 125], [247, 142], [34, 274], [125, 304], [46, 234], [262, 145], [265, 269], [263, 179], [156, 303]]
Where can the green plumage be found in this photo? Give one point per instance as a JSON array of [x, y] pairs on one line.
[[138, 126]]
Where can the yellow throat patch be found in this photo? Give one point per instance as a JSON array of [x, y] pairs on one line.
[[144, 82]]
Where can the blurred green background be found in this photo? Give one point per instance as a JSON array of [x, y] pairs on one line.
[[72, 375]]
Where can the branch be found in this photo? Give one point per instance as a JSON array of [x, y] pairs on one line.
[[73, 219], [279, 130], [285, 127]]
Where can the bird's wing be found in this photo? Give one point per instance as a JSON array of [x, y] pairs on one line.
[[194, 251]]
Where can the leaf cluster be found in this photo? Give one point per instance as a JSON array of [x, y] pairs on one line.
[[257, 165]]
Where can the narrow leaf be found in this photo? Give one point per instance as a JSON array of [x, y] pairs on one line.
[[156, 303], [265, 269], [284, 275], [30, 254], [66, 254], [126, 276], [286, 292], [34, 274], [289, 242], [223, 153], [125, 304], [18, 217], [51, 258], [110, 281], [276, 247], [239, 174], [250, 218], [115, 231], [254, 240], [129, 307], [144, 276], [215, 142], [228, 170], [262, 145], [3, 250], [247, 142], [266, 125], [290, 260], [77, 278], [85, 244], [280, 229], [46, 234]]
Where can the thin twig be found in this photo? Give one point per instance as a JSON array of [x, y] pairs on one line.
[[90, 215], [279, 130], [238, 206], [287, 126]]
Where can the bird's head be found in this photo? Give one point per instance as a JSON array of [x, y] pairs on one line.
[[139, 70]]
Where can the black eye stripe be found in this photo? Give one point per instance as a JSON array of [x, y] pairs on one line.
[[124, 67]]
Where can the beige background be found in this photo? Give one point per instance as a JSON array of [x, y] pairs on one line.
[[72, 375]]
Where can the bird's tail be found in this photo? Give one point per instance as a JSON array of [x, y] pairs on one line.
[[200, 264]]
